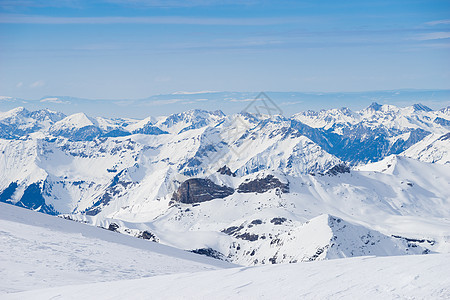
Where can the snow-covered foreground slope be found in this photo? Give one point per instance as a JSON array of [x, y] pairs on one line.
[[38, 251], [406, 277]]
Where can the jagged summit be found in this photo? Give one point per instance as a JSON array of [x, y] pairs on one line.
[[375, 106]]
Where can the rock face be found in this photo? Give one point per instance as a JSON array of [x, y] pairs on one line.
[[263, 185], [226, 171], [338, 169], [196, 190]]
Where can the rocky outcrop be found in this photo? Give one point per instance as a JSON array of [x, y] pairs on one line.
[[262, 185], [196, 190], [278, 221], [226, 171], [338, 169], [210, 252]]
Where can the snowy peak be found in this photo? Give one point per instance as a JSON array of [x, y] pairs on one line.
[[374, 107], [20, 122], [78, 120], [327, 119], [13, 113], [192, 119], [77, 127], [21, 115]]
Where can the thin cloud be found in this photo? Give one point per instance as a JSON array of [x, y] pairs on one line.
[[438, 22], [291, 103], [433, 36], [38, 19], [167, 101], [243, 100], [37, 84]]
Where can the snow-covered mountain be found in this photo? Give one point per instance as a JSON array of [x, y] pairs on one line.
[[247, 188], [434, 148], [20, 122]]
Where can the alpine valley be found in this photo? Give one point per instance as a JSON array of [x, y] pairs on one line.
[[248, 188]]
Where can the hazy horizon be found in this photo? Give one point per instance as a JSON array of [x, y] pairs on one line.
[[288, 103]]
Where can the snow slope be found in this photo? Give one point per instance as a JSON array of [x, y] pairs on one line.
[[38, 250], [434, 148], [407, 277]]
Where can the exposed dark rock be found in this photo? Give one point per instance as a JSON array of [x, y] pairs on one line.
[[196, 190], [273, 260], [318, 252], [338, 169], [232, 229], [263, 185], [209, 252], [113, 227], [226, 171], [278, 221], [256, 222], [431, 242], [248, 236], [147, 235]]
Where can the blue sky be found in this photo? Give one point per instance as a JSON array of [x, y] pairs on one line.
[[117, 49]]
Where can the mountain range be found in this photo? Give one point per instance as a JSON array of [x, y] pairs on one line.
[[247, 188]]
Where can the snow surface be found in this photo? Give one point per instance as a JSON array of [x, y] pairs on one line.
[[407, 277], [38, 251]]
